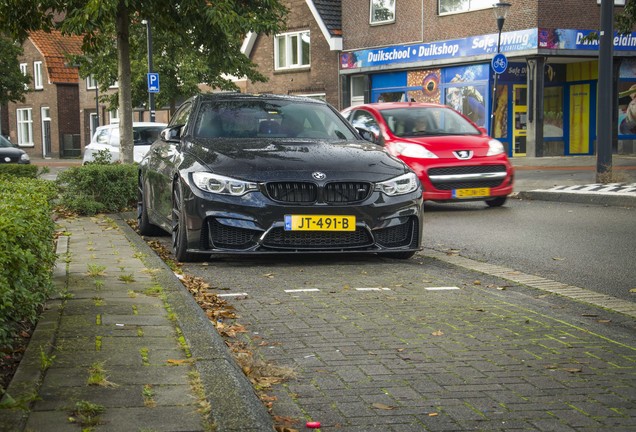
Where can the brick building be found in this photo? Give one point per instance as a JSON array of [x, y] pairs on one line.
[[303, 60], [441, 51], [47, 123]]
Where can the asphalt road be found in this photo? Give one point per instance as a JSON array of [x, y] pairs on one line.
[[588, 246]]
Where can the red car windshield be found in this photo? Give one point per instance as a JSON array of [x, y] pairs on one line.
[[423, 121]]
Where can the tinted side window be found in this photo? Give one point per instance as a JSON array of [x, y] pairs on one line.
[[365, 120], [180, 118]]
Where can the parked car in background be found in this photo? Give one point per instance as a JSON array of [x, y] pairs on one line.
[[107, 138], [454, 158], [256, 174], [12, 154]]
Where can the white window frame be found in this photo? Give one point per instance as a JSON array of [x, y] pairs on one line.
[[113, 116], [24, 120], [290, 50], [473, 5], [357, 99], [24, 68], [37, 75], [381, 4], [91, 83]]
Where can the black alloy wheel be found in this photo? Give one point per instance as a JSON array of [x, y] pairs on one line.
[[143, 223], [179, 230]]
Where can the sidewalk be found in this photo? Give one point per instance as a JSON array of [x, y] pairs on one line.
[[123, 321], [123, 336]]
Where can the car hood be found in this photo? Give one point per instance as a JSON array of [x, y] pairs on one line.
[[279, 160], [11, 152], [444, 145]]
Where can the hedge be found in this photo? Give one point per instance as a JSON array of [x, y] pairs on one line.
[[98, 188], [27, 253], [19, 170]]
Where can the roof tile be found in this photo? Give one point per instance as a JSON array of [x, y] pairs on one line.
[[55, 47]]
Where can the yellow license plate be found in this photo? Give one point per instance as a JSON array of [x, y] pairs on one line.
[[319, 223], [471, 193]]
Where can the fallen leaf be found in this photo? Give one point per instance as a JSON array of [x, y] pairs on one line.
[[433, 414], [633, 290], [603, 321], [438, 333], [589, 315], [477, 282], [382, 406], [558, 259], [573, 370]]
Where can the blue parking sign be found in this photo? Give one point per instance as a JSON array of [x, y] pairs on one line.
[[153, 82]]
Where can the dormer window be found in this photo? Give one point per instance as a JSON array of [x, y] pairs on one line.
[[382, 12], [291, 50]]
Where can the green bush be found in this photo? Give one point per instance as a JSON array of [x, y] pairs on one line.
[[98, 188], [27, 253], [19, 170]]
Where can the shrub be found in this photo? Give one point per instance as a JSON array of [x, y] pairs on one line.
[[27, 252], [19, 170], [98, 188]]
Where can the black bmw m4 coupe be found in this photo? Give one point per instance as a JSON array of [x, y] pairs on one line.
[[261, 174]]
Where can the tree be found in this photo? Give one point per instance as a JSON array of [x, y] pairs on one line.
[[210, 29], [626, 19], [12, 80]]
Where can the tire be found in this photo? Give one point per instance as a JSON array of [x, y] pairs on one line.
[[497, 202], [143, 223], [398, 255], [179, 229]]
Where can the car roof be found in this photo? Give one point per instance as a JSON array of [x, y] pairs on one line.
[[255, 96], [135, 124], [393, 105]]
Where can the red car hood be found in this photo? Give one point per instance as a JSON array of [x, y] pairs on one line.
[[444, 145]]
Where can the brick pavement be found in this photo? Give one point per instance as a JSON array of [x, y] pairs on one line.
[[491, 355]]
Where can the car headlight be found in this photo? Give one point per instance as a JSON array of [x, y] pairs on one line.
[[399, 185], [24, 157], [495, 147], [222, 185], [411, 150]]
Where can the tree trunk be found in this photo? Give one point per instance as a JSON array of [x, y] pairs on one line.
[[126, 153]]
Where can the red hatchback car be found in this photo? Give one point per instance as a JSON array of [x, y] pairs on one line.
[[454, 158]]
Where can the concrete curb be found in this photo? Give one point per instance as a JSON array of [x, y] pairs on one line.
[[235, 405], [579, 198]]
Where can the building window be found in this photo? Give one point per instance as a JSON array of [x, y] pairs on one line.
[[382, 11], [91, 83], [291, 50], [25, 127], [25, 72], [37, 75], [113, 116], [456, 6]]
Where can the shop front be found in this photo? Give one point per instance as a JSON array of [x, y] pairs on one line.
[[543, 105]]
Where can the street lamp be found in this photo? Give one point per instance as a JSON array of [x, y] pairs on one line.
[[501, 10], [151, 95]]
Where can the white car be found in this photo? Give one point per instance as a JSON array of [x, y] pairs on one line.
[[107, 138]]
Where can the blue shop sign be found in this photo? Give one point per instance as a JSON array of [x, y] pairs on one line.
[[457, 48]]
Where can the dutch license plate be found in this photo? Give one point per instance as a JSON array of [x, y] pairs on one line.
[[319, 223], [471, 193]]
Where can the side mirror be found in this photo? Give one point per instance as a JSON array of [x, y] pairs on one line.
[[370, 136], [483, 130], [171, 134]]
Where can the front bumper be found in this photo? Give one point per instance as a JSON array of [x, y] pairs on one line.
[[254, 223], [441, 181]]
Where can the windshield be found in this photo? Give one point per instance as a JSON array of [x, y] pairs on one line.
[[422, 121], [270, 119], [5, 142]]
